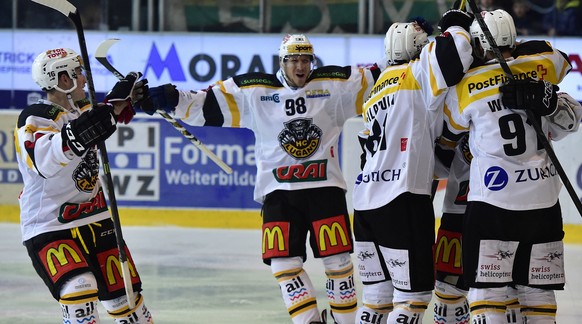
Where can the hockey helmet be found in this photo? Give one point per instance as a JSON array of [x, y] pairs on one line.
[[295, 44], [48, 65], [500, 24], [404, 41]]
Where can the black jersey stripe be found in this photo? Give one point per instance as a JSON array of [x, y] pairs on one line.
[[448, 59], [39, 110], [211, 110]]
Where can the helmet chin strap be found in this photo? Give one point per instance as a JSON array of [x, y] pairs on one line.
[[284, 74], [69, 95]]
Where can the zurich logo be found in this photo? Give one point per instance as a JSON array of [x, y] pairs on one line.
[[496, 178]]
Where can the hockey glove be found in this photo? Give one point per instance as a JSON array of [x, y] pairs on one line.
[[121, 91], [538, 96], [140, 91], [162, 97], [126, 114], [456, 17], [92, 127]]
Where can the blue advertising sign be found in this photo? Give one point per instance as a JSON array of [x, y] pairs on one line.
[[152, 164]]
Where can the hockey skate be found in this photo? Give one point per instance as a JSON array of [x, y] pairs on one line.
[[324, 318]]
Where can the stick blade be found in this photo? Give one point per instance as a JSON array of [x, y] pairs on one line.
[[104, 46], [63, 6], [128, 285], [101, 56]]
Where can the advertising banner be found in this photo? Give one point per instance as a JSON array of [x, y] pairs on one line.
[[152, 164], [188, 60]]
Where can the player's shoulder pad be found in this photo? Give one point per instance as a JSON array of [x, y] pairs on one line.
[[254, 79], [532, 47], [40, 110], [331, 72]]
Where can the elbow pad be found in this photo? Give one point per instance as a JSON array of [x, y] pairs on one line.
[[564, 116]]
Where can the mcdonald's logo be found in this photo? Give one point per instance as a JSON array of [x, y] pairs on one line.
[[330, 232], [60, 257], [275, 239], [448, 255], [112, 272], [332, 235]]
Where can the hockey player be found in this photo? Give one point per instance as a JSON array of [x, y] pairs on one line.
[[403, 42], [514, 184], [451, 305], [66, 225], [394, 217], [296, 128]]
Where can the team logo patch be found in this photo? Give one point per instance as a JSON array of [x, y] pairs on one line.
[[307, 171], [73, 211], [87, 172], [274, 98], [448, 252], [403, 144], [317, 93], [60, 257], [300, 138], [111, 269], [495, 178], [332, 235], [275, 239], [463, 193]]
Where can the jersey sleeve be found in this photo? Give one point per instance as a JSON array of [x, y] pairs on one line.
[[442, 64], [38, 140], [450, 56], [226, 103], [220, 105]]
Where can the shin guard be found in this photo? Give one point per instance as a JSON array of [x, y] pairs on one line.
[[451, 306], [538, 306], [513, 311], [409, 307], [340, 287], [487, 305], [79, 299], [377, 303], [296, 289], [118, 308]]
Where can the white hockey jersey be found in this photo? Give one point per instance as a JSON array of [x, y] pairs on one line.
[[59, 193], [405, 120], [296, 130], [457, 188], [510, 169]]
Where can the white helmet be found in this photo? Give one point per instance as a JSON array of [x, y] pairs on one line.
[[404, 41], [500, 25], [296, 44], [48, 65]]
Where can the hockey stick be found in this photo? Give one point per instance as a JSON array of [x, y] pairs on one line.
[[101, 56], [70, 11], [530, 115]]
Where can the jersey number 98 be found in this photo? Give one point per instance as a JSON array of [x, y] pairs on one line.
[[297, 106]]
